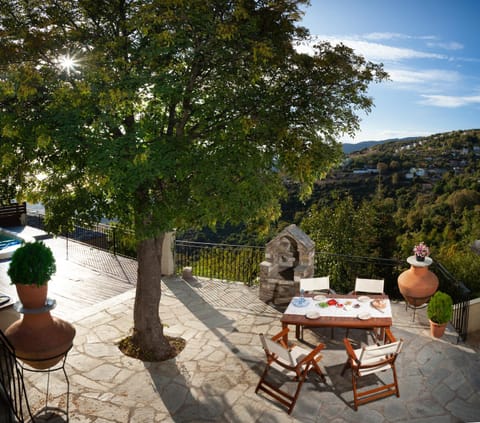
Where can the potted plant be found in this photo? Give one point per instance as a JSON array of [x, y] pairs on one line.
[[421, 251], [439, 312], [31, 267], [40, 339]]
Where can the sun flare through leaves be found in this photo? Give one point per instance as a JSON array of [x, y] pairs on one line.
[[68, 64]]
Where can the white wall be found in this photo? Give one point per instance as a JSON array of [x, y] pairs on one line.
[[474, 316]]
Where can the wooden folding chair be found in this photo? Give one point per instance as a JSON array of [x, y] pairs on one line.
[[291, 361], [369, 360], [368, 286], [318, 284]]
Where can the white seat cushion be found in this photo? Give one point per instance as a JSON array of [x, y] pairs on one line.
[[372, 354]]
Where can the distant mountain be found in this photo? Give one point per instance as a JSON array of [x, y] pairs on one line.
[[350, 148]]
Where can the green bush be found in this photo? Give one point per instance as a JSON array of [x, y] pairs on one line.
[[464, 264], [32, 264], [439, 308]]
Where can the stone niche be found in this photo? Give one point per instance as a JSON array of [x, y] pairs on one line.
[[288, 257]]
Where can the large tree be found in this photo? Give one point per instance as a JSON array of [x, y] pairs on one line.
[[168, 114]]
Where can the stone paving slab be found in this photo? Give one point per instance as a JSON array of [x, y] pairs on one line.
[[214, 378]]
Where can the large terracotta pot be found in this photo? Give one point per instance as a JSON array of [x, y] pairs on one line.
[[40, 340], [418, 283]]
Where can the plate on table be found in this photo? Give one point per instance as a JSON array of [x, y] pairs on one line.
[[300, 302], [320, 298], [363, 298], [312, 315], [379, 304], [364, 316]]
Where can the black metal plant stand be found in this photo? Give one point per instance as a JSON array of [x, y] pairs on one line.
[[27, 364], [414, 308], [59, 366]]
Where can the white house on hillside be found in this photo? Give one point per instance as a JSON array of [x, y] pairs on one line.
[[415, 172]]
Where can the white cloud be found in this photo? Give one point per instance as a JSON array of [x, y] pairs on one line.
[[372, 51], [385, 36], [403, 74], [446, 46], [450, 101], [409, 76], [395, 36], [382, 52]]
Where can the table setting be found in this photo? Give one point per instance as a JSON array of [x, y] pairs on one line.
[[362, 307]]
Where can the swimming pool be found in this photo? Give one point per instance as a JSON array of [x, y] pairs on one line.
[[8, 244]]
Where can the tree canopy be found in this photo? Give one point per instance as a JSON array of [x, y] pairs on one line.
[[168, 114]]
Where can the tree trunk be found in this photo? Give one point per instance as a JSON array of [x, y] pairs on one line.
[[148, 330]]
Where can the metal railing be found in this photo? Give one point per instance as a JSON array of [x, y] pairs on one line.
[[344, 269], [461, 297], [241, 263], [106, 237], [219, 261], [110, 238], [11, 214]]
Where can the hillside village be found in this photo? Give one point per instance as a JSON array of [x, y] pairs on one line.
[[428, 158]]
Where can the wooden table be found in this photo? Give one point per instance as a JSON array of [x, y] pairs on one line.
[[332, 318]]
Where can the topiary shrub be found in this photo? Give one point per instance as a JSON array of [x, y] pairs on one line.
[[439, 308], [32, 264]]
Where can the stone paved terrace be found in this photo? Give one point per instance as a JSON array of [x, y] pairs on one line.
[[214, 378]]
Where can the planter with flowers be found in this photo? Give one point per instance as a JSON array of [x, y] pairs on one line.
[[418, 283], [421, 251]]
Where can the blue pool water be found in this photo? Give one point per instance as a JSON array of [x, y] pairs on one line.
[[7, 241]]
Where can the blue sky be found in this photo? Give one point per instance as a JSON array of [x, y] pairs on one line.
[[430, 48]]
